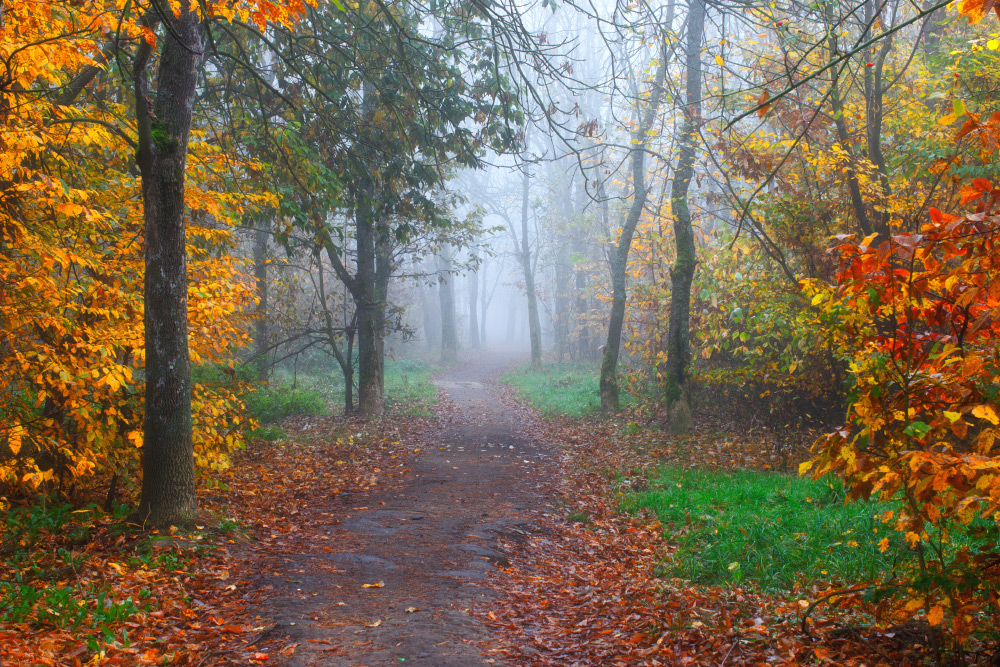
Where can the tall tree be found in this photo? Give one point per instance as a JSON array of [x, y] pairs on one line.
[[446, 292], [528, 267], [646, 111], [682, 272], [168, 480], [473, 285]]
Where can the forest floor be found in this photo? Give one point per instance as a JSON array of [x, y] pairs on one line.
[[483, 535], [503, 544]]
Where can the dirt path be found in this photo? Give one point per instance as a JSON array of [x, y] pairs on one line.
[[426, 546]]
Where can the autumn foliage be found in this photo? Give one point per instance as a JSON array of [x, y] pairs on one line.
[[923, 334], [71, 283]]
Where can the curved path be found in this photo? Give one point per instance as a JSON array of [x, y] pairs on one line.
[[425, 545]]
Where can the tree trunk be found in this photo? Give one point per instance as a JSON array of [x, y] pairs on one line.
[[365, 288], [431, 317], [511, 318], [446, 292], [474, 305], [371, 396], [682, 272], [168, 479], [534, 326], [874, 103], [619, 256], [260, 333], [843, 136]]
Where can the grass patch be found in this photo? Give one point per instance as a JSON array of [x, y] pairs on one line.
[[271, 404], [768, 529], [40, 558], [408, 386], [270, 433], [565, 390]]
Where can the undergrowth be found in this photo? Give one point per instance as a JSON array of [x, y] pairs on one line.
[[408, 388], [47, 577], [564, 390], [767, 529]]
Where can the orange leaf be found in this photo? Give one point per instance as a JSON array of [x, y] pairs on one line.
[[936, 615], [762, 103]]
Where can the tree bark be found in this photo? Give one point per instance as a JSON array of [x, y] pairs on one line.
[[534, 326], [365, 289], [843, 136], [874, 112], [682, 272], [168, 480], [446, 292], [371, 392], [474, 305], [260, 332], [619, 256], [431, 318]]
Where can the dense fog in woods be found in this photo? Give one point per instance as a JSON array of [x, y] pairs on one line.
[[248, 245]]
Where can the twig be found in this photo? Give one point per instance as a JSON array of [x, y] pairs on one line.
[[729, 652]]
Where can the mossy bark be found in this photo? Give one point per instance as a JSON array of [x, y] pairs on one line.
[[677, 391], [608, 384], [168, 479]]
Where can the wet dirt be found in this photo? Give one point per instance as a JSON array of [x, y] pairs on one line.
[[400, 568]]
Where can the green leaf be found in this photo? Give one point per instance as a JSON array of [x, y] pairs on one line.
[[917, 430]]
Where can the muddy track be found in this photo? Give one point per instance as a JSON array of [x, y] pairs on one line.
[[401, 568]]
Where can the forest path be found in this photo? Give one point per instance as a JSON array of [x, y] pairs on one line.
[[427, 544]]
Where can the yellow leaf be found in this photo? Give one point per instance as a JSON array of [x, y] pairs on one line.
[[993, 44], [378, 585], [952, 416], [805, 467], [14, 438], [719, 61], [986, 412]]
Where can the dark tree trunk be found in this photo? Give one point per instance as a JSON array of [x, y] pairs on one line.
[[843, 136], [534, 326], [365, 290], [371, 395], [682, 272], [619, 256], [874, 111], [168, 479]]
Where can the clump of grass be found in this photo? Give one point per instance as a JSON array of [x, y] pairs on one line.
[[270, 433], [38, 582], [408, 386], [271, 404], [772, 530], [565, 390]]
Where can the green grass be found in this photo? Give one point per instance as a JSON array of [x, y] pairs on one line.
[[270, 404], [767, 529], [565, 390], [408, 388], [40, 552]]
